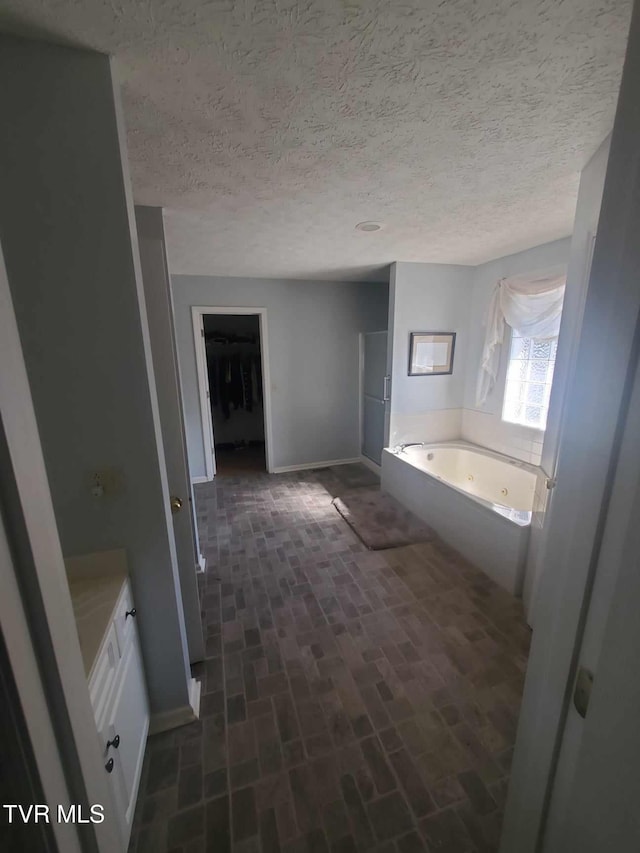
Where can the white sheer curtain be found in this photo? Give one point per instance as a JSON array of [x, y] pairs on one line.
[[532, 306]]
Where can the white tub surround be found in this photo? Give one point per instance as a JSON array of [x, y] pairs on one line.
[[490, 431], [477, 501], [432, 426]]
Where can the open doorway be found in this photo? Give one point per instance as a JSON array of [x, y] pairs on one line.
[[236, 398], [232, 364]]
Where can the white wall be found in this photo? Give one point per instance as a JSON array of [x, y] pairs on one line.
[[484, 425], [313, 329], [66, 226], [427, 298]]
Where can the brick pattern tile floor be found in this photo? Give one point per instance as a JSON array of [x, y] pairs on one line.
[[351, 700]]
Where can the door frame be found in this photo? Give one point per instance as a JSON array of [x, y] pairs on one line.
[[32, 694], [157, 300], [588, 454], [36, 612], [589, 755], [198, 313]]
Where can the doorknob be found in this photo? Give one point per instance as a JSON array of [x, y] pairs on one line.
[[176, 504]]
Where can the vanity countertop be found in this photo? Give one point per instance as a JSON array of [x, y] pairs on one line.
[[94, 600]]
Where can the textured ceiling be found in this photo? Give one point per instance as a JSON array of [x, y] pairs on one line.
[[269, 128]]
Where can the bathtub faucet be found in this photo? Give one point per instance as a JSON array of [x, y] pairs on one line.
[[410, 444]]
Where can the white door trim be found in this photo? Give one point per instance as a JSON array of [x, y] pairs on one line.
[[157, 300], [592, 425], [33, 699], [203, 394], [44, 603], [598, 757], [361, 392], [197, 313]]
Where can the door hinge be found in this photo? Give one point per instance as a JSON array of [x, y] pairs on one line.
[[582, 691], [202, 333]]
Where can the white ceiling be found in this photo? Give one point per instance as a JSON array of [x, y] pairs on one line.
[[269, 128]]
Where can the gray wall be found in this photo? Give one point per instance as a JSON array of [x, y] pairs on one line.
[[313, 343], [66, 227], [427, 298]]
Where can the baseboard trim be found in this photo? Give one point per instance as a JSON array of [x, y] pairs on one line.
[[371, 465], [197, 480], [307, 466], [167, 720]]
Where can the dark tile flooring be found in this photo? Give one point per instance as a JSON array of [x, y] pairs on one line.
[[352, 700], [240, 461]]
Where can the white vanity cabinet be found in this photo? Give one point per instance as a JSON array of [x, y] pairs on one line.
[[106, 618], [126, 724], [121, 708]]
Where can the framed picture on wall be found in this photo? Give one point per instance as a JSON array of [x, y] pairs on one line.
[[431, 353]]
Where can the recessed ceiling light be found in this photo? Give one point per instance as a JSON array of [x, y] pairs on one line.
[[368, 226]]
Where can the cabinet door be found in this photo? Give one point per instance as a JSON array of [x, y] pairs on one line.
[[129, 719], [116, 809], [104, 675]]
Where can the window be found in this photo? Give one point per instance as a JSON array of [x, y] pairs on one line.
[[529, 378]]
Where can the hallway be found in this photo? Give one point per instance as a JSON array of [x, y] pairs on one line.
[[352, 700]]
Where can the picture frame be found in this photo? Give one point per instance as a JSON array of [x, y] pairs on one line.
[[431, 353]]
